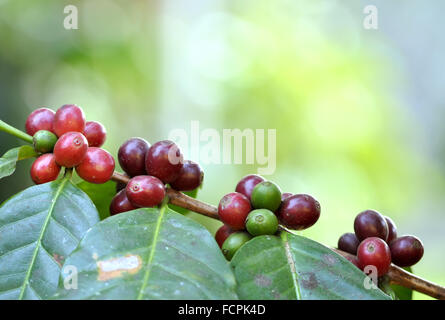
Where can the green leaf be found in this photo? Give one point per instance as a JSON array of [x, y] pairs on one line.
[[148, 254], [403, 293], [39, 227], [101, 195], [294, 267], [10, 158]]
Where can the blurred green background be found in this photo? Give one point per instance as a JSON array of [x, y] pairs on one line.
[[358, 112]]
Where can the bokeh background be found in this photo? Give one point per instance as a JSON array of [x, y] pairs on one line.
[[358, 112]]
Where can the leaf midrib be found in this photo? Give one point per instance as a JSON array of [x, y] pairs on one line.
[[291, 262], [39, 240]]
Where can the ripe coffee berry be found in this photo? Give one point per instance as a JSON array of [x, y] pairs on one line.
[[286, 195], [348, 243], [222, 234], [69, 118], [233, 210], [234, 242], [299, 211], [370, 223], [266, 195], [164, 161], [406, 251], [70, 149], [120, 203], [44, 141], [145, 191], [374, 252], [44, 169], [392, 230], [40, 119], [131, 156], [95, 133], [246, 184], [190, 177], [261, 222], [97, 166]]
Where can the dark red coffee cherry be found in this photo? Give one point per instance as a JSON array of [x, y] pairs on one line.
[[145, 191], [370, 223], [97, 166], [44, 169], [406, 251], [222, 234], [190, 177], [70, 149], [348, 243], [164, 161], [40, 119], [69, 118], [131, 156], [233, 210], [286, 195], [120, 203], [246, 184], [374, 252], [95, 133], [299, 211], [392, 230]]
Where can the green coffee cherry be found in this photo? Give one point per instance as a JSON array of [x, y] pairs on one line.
[[234, 242], [261, 222], [44, 141], [266, 195]]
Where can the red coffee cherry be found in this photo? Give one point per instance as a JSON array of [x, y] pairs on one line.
[[348, 243], [370, 223], [131, 156], [40, 119], [190, 177], [164, 161], [233, 210], [44, 169], [97, 166], [353, 260], [222, 234], [69, 118], [246, 184], [120, 203], [392, 230], [406, 251], [374, 252], [299, 211], [145, 191], [95, 133], [70, 149], [285, 195]]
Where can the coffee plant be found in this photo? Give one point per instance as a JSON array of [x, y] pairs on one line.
[[125, 236]]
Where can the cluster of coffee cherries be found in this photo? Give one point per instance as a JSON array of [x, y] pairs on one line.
[[256, 208], [150, 168], [375, 243], [65, 139]]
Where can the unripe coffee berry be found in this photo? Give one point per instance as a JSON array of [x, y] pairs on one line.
[[120, 203], [233, 243], [190, 177], [370, 223], [70, 149], [40, 119], [233, 210], [145, 191], [97, 166], [69, 118], [131, 156], [349, 242], [261, 222], [406, 251], [164, 161], [95, 133], [374, 252], [246, 184], [266, 195], [222, 234], [44, 169], [44, 141], [392, 230], [299, 211]]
